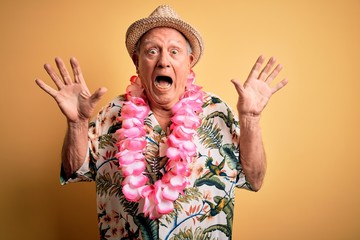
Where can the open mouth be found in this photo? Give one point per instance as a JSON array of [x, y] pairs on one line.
[[163, 82]]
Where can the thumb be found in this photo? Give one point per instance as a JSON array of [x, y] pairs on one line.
[[239, 88], [96, 96]]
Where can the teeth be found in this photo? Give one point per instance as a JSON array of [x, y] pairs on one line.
[[163, 82], [163, 85]]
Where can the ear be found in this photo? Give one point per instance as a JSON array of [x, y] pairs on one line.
[[135, 59], [191, 59]]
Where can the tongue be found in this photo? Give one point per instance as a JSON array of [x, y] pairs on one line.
[[163, 83]]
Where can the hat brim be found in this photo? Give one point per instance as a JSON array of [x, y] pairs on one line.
[[140, 27]]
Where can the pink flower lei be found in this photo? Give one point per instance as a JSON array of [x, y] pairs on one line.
[[159, 197]]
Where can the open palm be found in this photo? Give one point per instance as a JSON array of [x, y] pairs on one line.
[[256, 91], [73, 96]]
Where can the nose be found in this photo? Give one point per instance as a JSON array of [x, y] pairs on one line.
[[163, 61]]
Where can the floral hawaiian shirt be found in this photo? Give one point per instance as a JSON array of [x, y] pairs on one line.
[[204, 211]]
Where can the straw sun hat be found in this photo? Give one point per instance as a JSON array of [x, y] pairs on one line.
[[164, 16]]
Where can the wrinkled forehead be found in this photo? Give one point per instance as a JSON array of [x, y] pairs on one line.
[[162, 34]]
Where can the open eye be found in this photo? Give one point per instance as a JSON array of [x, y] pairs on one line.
[[153, 51], [174, 51]]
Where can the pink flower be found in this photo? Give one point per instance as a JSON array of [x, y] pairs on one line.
[[186, 146], [135, 180], [131, 194], [131, 110], [173, 153], [191, 103], [136, 144], [187, 121], [189, 147], [164, 206], [178, 168], [190, 86], [135, 89], [132, 122], [134, 168], [170, 193], [149, 202], [183, 132], [139, 101], [155, 204], [133, 132], [193, 96], [127, 157], [177, 182], [133, 186]]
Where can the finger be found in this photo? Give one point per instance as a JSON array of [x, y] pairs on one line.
[[63, 71], [49, 90], [54, 76], [97, 95], [78, 77], [265, 72], [280, 85], [255, 71], [239, 88], [274, 73]]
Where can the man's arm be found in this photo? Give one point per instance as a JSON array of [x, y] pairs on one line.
[[75, 147], [253, 96], [77, 105], [252, 153]]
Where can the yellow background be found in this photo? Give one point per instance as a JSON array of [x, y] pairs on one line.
[[311, 128]]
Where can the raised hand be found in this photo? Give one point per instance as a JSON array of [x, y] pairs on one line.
[[256, 91], [72, 96]]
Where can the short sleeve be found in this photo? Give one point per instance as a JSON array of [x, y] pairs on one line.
[[223, 125]]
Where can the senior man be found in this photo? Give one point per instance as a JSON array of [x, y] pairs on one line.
[[165, 156]]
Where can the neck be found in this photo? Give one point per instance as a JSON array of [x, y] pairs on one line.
[[163, 116]]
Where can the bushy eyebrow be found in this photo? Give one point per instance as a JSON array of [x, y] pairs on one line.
[[147, 41]]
